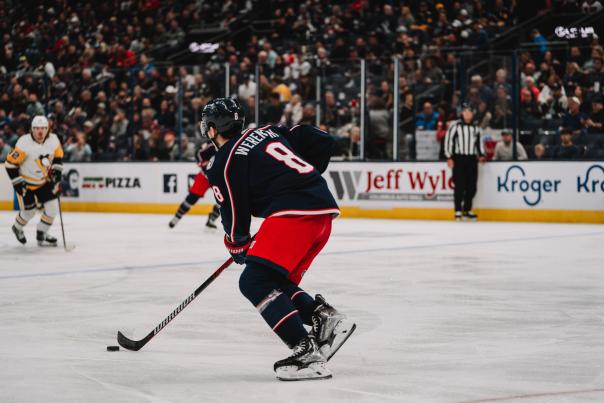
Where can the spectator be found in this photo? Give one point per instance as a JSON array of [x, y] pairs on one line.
[[539, 152], [379, 144], [483, 116], [504, 149], [574, 119], [247, 88], [573, 77], [502, 111], [166, 116], [141, 148], [309, 114], [484, 91], [407, 120], [539, 40], [432, 71], [79, 151], [530, 116], [156, 149], [566, 150], [478, 37], [4, 150], [553, 102], [528, 71], [119, 126], [292, 114], [272, 113], [188, 149], [34, 108], [596, 53], [501, 80], [595, 121], [591, 6], [595, 77], [170, 147], [532, 87], [427, 119], [281, 89], [350, 142]]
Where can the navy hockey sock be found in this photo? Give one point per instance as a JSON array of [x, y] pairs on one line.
[[186, 205], [301, 300], [260, 285]]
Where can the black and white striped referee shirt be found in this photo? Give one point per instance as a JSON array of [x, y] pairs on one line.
[[463, 139]]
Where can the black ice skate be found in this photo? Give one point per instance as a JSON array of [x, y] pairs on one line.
[[306, 362], [470, 216], [174, 221], [19, 234], [211, 223], [45, 239], [330, 327]]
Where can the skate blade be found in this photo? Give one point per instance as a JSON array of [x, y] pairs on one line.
[[316, 370], [210, 230], [343, 331], [47, 245]]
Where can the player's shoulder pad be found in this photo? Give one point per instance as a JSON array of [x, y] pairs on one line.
[[23, 141], [310, 130], [313, 144], [52, 137]]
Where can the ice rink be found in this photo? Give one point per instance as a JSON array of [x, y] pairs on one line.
[[446, 312]]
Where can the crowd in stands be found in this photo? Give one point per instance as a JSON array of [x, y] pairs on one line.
[[90, 68], [85, 65], [563, 92]]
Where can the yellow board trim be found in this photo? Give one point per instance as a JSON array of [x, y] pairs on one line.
[[569, 216], [144, 208]]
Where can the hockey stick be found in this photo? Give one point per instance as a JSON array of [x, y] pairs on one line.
[[136, 345], [70, 248]]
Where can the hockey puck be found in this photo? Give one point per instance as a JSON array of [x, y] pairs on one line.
[[113, 348]]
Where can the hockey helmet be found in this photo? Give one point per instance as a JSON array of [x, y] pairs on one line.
[[225, 115], [39, 121]]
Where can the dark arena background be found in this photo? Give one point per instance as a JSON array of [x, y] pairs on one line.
[[503, 302]]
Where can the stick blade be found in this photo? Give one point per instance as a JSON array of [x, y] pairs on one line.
[[127, 343]]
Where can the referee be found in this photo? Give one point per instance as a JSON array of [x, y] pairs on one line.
[[463, 149]]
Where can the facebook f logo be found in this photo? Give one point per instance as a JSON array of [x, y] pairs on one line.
[[170, 183]]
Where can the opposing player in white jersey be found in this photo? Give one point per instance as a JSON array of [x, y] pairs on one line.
[[35, 166]]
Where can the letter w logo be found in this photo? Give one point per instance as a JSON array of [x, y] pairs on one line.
[[345, 182]]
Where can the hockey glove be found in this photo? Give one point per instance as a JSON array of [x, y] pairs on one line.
[[20, 187], [56, 175], [238, 249]]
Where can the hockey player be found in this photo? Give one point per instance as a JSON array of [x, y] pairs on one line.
[[275, 173], [34, 167], [199, 188]]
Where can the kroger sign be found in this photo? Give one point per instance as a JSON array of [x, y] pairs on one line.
[[593, 181], [515, 181]]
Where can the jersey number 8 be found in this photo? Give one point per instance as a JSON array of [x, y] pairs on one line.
[[281, 153], [218, 194]]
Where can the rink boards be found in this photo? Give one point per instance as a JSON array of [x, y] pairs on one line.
[[507, 191]]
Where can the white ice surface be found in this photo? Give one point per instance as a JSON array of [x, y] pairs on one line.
[[446, 312]]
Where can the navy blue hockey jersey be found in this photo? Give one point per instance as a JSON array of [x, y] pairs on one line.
[[263, 173]]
